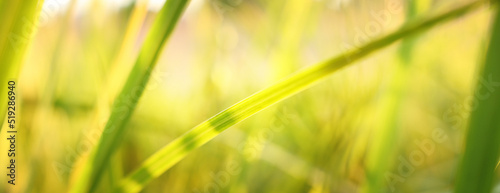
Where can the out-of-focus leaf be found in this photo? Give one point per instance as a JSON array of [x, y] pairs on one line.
[[165, 158], [482, 145], [128, 98]]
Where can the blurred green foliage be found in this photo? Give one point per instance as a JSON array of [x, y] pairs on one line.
[[223, 51]]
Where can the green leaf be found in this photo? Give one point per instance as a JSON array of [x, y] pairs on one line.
[[482, 144], [165, 158], [128, 98], [381, 154], [19, 22]]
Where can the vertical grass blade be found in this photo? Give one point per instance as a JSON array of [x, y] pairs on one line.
[[126, 101], [19, 21], [381, 154], [293, 21], [124, 59], [165, 158], [482, 144]]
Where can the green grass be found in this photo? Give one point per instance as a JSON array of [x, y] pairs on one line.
[[388, 128], [342, 134], [18, 19], [128, 98], [482, 144], [165, 158]]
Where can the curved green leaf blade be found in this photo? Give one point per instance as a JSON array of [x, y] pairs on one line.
[[128, 98], [165, 158]]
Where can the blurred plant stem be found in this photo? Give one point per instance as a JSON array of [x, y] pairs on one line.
[[381, 154], [294, 19], [123, 61], [127, 100], [19, 20], [482, 144]]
